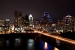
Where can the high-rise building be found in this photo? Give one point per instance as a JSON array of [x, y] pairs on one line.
[[7, 22], [7, 25], [46, 19], [17, 18], [31, 20], [1, 22], [26, 20], [18, 21], [60, 23], [36, 24], [69, 23], [46, 14]]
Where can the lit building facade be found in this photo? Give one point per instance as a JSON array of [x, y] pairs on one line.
[[7, 25], [69, 23], [46, 14], [7, 22], [30, 20], [60, 26], [46, 20], [36, 24], [60, 23], [26, 20], [2, 24], [17, 19]]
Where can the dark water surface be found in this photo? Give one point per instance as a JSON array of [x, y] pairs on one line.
[[25, 44]]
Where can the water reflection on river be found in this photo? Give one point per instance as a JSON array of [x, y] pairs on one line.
[[26, 44]]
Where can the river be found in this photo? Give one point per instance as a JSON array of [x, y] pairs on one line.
[[26, 44]]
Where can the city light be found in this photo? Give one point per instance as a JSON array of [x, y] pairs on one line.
[[45, 45], [59, 38], [12, 28]]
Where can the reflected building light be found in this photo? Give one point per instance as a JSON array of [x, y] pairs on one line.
[[56, 48], [17, 41], [45, 45], [30, 44], [7, 43], [30, 40], [58, 42]]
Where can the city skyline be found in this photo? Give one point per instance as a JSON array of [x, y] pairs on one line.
[[57, 9]]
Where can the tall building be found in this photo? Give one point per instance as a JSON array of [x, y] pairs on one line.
[[17, 18], [31, 20], [46, 14], [7, 25], [36, 24], [46, 19], [69, 23], [7, 22], [2, 22], [18, 21], [26, 20], [60, 23]]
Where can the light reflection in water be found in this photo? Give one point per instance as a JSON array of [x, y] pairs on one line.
[[7, 43], [58, 42], [46, 46], [17, 41], [30, 44], [56, 48]]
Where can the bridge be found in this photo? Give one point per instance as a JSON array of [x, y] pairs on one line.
[[56, 37]]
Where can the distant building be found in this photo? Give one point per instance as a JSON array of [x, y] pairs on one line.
[[69, 23], [25, 20], [18, 21], [7, 25], [17, 18], [60, 23], [2, 22], [46, 19], [30, 20], [46, 14], [7, 22], [36, 24]]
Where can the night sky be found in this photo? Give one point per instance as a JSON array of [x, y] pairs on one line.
[[56, 8]]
